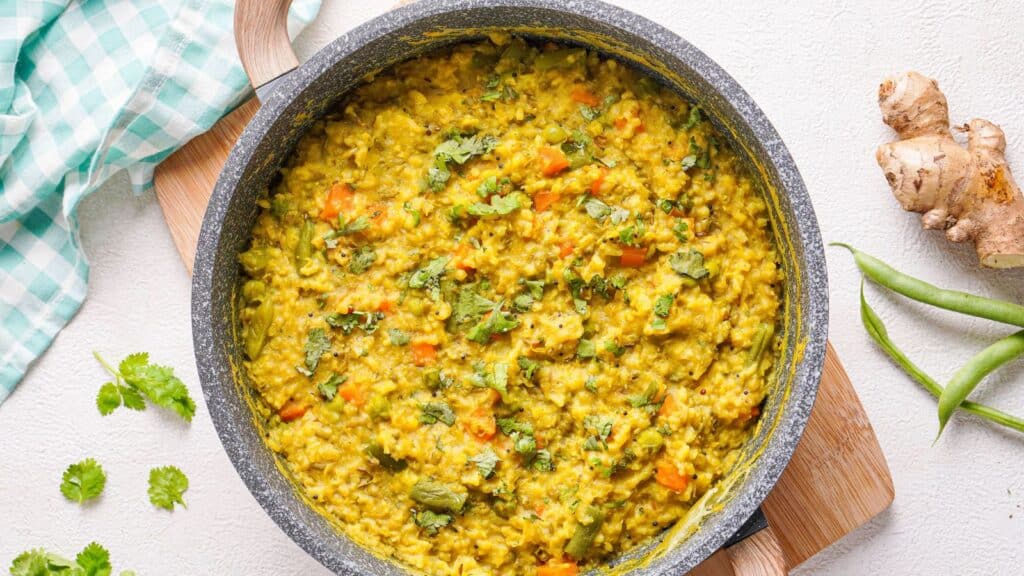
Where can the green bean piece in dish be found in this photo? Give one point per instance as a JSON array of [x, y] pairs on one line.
[[884, 275], [982, 364], [876, 329]]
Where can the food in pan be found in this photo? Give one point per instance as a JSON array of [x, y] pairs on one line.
[[510, 309]]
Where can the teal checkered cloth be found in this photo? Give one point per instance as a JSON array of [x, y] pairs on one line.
[[89, 88]]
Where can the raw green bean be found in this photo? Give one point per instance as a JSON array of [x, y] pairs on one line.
[[962, 302], [876, 329], [982, 364], [583, 538]]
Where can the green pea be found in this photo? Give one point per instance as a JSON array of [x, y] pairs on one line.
[[555, 134]]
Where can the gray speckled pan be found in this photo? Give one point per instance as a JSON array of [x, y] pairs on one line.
[[300, 97]]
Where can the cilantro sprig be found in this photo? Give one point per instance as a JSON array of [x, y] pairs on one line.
[[135, 378], [83, 481], [166, 486], [93, 560]]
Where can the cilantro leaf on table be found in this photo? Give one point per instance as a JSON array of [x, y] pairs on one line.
[[94, 560], [83, 481], [166, 486], [135, 378]]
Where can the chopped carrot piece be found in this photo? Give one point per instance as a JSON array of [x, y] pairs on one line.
[[565, 249], [338, 198], [552, 161], [633, 256], [557, 569], [539, 509], [668, 476], [640, 128], [583, 96], [292, 410], [385, 306], [668, 405], [544, 199], [462, 251], [352, 393], [481, 424], [620, 123], [595, 186], [423, 353]]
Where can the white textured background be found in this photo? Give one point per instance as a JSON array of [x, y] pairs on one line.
[[814, 70]]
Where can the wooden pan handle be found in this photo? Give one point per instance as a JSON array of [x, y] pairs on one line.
[[758, 555], [261, 35]]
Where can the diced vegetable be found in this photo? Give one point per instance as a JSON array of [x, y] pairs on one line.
[[385, 460], [583, 538], [668, 405], [559, 58], [565, 249], [650, 440], [552, 161], [423, 353], [254, 334], [292, 410], [304, 247], [761, 340], [555, 134], [378, 408], [352, 393], [595, 186], [339, 199], [633, 256], [583, 96], [544, 199], [481, 424], [437, 496], [668, 476], [557, 569]]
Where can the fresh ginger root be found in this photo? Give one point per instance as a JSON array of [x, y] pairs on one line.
[[970, 193]]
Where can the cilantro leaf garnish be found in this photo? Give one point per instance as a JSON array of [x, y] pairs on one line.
[[486, 462], [487, 187], [499, 206], [434, 412], [317, 344], [527, 367], [542, 461], [166, 486], [362, 259], [83, 481], [134, 378], [496, 379], [681, 230], [693, 119], [470, 306], [630, 235], [460, 149], [601, 427], [585, 349], [329, 388], [689, 263], [429, 277], [349, 321], [398, 337], [596, 209], [663, 305], [497, 322], [431, 521]]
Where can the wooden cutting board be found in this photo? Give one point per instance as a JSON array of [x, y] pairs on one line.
[[836, 481]]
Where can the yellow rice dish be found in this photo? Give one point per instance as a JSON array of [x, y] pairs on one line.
[[510, 310]]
